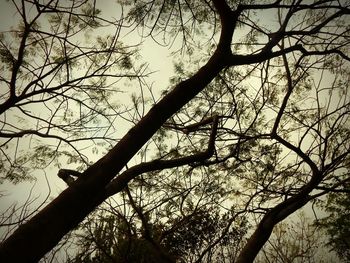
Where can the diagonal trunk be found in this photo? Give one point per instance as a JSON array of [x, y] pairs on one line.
[[273, 217], [39, 235], [34, 239]]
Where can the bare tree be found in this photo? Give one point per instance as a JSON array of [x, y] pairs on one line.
[[267, 114]]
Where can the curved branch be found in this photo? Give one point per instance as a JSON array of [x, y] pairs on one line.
[[122, 180]]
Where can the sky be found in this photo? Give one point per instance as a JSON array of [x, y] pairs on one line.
[[160, 62], [159, 59]]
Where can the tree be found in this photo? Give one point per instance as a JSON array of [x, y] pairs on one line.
[[113, 237], [261, 108], [337, 222]]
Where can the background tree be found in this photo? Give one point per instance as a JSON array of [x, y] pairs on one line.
[[188, 239], [156, 231], [255, 121], [337, 222]]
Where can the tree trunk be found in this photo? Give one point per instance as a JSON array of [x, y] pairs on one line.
[[34, 239], [273, 217]]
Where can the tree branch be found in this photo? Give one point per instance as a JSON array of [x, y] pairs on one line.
[[147, 232], [122, 180]]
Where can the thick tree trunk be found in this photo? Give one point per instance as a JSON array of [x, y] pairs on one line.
[[34, 239]]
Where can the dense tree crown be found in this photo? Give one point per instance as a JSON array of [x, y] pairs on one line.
[[253, 125]]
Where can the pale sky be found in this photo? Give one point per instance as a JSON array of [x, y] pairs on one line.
[[160, 61]]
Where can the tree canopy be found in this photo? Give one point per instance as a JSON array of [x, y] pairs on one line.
[[253, 126]]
